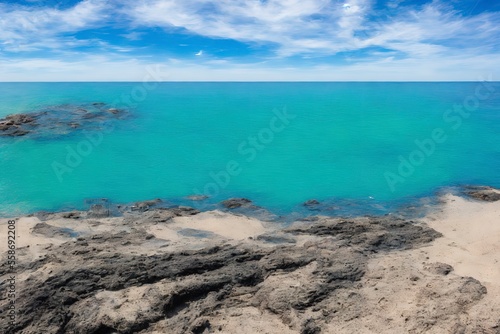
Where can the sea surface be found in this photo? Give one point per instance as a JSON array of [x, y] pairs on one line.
[[278, 144]]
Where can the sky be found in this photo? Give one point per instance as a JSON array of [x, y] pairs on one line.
[[250, 40]]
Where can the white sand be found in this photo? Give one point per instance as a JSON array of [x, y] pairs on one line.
[[471, 244], [227, 225], [471, 237], [31, 243]]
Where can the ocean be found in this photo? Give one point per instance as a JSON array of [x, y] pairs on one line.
[[278, 144]]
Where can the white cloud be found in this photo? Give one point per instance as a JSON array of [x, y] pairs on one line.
[[321, 27], [106, 68], [430, 42], [25, 28]]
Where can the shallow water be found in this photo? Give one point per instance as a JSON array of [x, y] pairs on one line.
[[279, 144]]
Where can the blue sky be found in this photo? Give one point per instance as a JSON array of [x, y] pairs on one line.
[[332, 40]]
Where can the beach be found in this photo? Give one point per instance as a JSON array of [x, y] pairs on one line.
[[249, 167], [179, 270]]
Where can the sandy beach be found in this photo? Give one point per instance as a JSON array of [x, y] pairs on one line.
[[181, 271]]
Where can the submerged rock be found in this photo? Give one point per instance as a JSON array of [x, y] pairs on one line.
[[311, 202], [59, 120], [197, 197], [234, 203]]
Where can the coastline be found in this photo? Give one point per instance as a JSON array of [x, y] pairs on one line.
[[179, 270]]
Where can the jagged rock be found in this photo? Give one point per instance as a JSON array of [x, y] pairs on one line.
[[58, 120], [71, 215], [276, 238], [145, 205], [160, 215], [439, 268], [377, 234], [98, 211], [484, 194], [16, 125], [234, 203], [184, 211], [99, 284]]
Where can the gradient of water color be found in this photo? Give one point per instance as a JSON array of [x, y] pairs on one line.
[[343, 140]]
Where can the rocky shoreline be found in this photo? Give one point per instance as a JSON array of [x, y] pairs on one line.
[[178, 270], [59, 120]]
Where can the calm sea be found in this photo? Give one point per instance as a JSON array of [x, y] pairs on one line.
[[278, 144]]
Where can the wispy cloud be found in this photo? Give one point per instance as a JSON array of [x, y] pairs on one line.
[[323, 27], [316, 38], [25, 28]]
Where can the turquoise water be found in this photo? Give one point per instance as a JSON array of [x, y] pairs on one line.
[[332, 140]]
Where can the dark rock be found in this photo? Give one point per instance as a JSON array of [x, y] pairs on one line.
[[439, 268], [183, 290], [145, 205], [310, 327], [276, 239], [376, 234], [98, 211], [71, 215], [234, 203], [181, 211], [159, 215], [484, 194], [200, 326], [58, 120], [311, 203], [16, 125]]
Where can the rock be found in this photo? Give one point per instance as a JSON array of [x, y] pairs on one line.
[[98, 211], [16, 125], [311, 202], [197, 197], [310, 327], [377, 234], [92, 284], [71, 215], [52, 231], [58, 120], [181, 211], [487, 195], [145, 205], [200, 326], [234, 203], [160, 215], [275, 238], [439, 268]]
